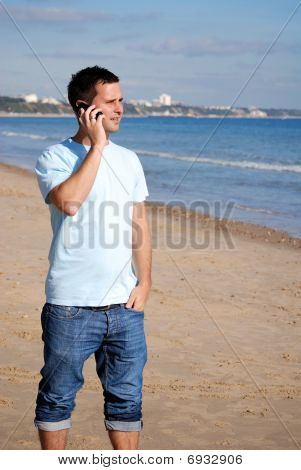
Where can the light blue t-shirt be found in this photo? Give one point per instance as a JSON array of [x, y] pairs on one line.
[[90, 257]]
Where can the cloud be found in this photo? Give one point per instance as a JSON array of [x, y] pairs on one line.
[[65, 55], [141, 16], [119, 37], [207, 47], [57, 15], [54, 15]]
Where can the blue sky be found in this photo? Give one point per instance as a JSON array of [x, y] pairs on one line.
[[200, 52]]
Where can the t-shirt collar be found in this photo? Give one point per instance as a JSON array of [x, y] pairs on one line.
[[87, 147]]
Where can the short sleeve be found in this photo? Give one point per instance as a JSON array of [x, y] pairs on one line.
[[140, 189], [51, 170]]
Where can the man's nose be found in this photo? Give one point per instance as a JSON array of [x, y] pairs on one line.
[[118, 108]]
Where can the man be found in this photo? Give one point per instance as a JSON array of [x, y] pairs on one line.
[[99, 274]]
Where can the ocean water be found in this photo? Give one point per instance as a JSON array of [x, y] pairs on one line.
[[245, 169]]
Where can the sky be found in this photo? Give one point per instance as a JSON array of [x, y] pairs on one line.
[[201, 52]]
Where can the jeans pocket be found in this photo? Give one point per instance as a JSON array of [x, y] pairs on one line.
[[62, 312], [134, 310]]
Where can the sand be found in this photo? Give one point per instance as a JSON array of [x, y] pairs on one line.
[[222, 326]]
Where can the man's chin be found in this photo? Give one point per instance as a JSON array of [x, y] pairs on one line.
[[114, 128]]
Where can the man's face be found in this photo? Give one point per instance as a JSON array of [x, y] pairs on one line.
[[109, 100]]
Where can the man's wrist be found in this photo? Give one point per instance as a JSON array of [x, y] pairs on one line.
[[98, 147], [145, 283]]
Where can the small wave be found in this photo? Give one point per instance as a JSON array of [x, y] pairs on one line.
[[233, 163], [254, 209], [23, 134]]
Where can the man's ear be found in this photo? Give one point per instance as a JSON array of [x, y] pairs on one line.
[[78, 102]]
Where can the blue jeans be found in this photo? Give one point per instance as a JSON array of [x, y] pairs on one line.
[[71, 334]]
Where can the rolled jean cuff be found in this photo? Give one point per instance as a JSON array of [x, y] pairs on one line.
[[123, 425], [53, 426]]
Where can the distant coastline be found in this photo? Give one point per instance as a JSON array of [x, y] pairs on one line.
[[19, 107], [54, 115]]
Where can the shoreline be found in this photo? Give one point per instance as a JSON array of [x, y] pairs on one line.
[[52, 115], [238, 228]]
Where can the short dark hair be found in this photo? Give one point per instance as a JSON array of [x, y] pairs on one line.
[[82, 84]]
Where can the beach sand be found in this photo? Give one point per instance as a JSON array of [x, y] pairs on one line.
[[222, 326]]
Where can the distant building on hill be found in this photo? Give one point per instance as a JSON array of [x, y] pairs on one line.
[[30, 98], [165, 99], [256, 112], [50, 100], [140, 102]]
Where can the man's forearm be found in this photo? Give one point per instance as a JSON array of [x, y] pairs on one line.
[[69, 195], [142, 259], [142, 247]]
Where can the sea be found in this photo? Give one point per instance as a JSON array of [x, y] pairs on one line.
[[241, 169]]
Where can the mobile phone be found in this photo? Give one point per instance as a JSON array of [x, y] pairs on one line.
[[85, 106]]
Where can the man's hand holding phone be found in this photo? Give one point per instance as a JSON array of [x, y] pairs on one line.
[[90, 119]]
